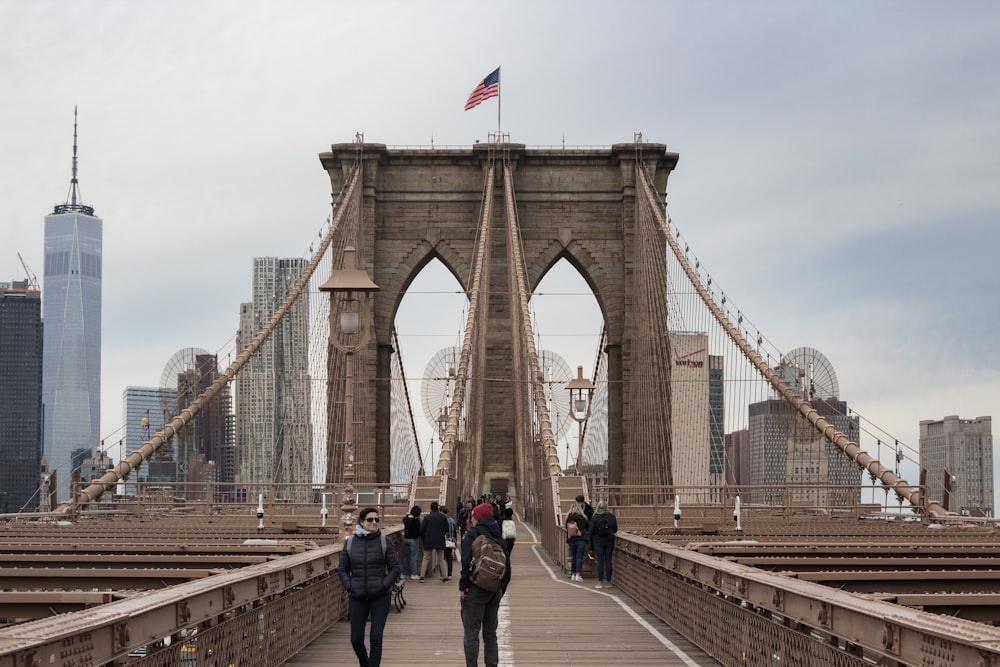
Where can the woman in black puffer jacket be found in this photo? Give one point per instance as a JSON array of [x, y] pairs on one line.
[[368, 569]]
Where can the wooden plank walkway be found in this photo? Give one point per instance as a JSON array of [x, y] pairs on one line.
[[545, 619]]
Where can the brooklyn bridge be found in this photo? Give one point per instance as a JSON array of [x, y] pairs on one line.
[[840, 562]]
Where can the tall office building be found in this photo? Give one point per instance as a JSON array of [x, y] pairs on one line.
[[716, 419], [737, 458], [71, 311], [963, 448], [787, 456], [786, 450], [20, 394], [690, 410], [145, 411], [273, 430], [205, 443]]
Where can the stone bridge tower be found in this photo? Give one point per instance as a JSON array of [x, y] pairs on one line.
[[577, 204]]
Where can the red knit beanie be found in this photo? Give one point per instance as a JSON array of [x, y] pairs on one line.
[[482, 511]]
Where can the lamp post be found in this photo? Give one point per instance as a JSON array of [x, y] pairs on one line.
[[351, 293], [581, 391]]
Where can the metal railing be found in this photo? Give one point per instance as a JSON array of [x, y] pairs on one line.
[[771, 619], [257, 615]]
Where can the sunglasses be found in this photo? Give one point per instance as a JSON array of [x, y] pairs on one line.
[[373, 519]]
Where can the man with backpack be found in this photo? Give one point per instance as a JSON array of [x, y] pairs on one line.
[[484, 579]]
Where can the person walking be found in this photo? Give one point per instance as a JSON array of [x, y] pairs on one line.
[[507, 526], [411, 537], [450, 539], [481, 607], [433, 530], [576, 538], [463, 517], [603, 526], [368, 569]]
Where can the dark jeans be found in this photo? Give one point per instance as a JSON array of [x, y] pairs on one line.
[[449, 558], [359, 610], [410, 559], [480, 609], [576, 551], [602, 553]]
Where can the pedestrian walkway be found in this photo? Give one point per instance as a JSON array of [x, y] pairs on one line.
[[545, 619]]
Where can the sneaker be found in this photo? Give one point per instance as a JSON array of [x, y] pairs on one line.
[[599, 585], [414, 576], [421, 580]]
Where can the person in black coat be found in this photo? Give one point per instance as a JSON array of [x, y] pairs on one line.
[[411, 537], [433, 530], [577, 537], [368, 569], [603, 526]]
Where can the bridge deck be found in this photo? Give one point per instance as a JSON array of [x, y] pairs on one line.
[[544, 620]]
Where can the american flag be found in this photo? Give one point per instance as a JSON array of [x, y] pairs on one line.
[[487, 88]]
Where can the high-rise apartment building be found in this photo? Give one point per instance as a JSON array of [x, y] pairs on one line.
[[273, 429], [963, 449], [71, 311], [20, 395]]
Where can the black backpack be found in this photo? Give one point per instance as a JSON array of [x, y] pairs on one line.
[[602, 526]]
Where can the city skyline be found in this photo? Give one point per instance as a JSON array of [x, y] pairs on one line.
[[857, 183]]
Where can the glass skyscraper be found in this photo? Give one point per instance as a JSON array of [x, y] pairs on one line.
[[71, 311], [20, 395]]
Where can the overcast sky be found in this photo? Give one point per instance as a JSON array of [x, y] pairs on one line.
[[838, 168]]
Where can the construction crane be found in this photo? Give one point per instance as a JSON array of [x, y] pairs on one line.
[[32, 280]]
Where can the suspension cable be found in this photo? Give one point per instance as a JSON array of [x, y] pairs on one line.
[[550, 450], [850, 448], [475, 291]]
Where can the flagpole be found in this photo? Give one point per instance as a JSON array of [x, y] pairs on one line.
[[499, 96]]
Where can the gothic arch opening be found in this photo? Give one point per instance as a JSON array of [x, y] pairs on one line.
[[429, 322], [568, 324]]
